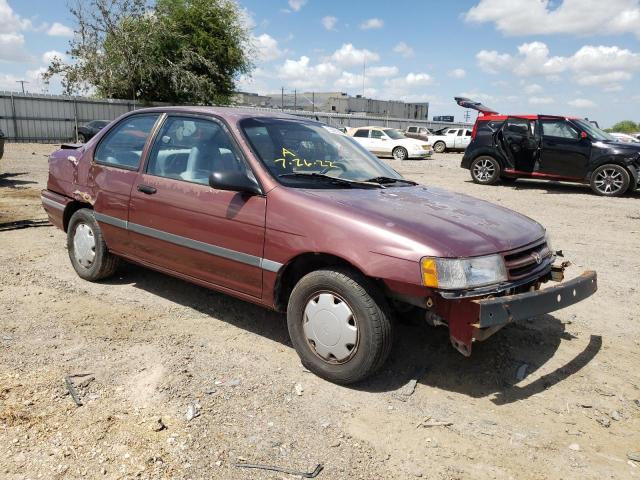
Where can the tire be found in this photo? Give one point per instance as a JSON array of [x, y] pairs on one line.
[[368, 329], [610, 180], [82, 138], [439, 147], [485, 170], [84, 237], [400, 153]]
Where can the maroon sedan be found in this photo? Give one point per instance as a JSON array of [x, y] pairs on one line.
[[294, 215]]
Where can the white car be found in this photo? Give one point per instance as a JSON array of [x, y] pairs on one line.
[[624, 137], [450, 139], [390, 142]]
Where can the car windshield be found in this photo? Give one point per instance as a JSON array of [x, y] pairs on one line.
[[594, 131], [394, 134], [288, 147]]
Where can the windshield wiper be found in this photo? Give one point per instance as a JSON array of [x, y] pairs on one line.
[[386, 180], [336, 180]]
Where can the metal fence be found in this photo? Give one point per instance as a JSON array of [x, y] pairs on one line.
[[55, 118]]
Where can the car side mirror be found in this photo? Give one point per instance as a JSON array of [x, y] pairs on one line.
[[583, 135], [234, 182]]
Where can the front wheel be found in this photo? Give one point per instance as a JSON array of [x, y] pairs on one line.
[[87, 249], [610, 180], [439, 147], [340, 325], [485, 170], [400, 153]]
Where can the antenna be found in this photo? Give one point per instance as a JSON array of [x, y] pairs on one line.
[[364, 71]]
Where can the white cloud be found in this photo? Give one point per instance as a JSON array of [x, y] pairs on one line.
[[301, 74], [48, 57], [266, 47], [349, 55], [410, 86], [329, 22], [586, 64], [296, 5], [581, 103], [60, 30], [351, 80], [371, 23], [532, 88], [12, 48], [541, 100], [382, 71], [457, 73], [403, 49], [545, 17]]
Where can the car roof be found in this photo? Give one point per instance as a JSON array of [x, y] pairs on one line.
[[492, 117], [227, 113]]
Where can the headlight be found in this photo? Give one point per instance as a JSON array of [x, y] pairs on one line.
[[461, 273]]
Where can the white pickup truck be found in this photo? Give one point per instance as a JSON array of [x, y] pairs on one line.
[[455, 138]]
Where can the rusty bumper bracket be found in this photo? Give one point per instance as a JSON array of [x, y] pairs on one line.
[[511, 308]]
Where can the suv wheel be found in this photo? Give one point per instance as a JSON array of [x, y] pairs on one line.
[[610, 180], [485, 170], [87, 250], [400, 153], [439, 147], [339, 324], [82, 138]]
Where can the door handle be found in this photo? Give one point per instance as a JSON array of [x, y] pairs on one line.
[[147, 189]]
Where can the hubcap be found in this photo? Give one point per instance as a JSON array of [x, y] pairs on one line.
[[439, 148], [484, 170], [399, 154], [609, 180], [330, 328], [84, 245]]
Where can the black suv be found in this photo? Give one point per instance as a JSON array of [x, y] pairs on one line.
[[506, 147]]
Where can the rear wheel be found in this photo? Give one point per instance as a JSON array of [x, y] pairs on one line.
[[610, 180], [82, 138], [485, 170], [87, 249], [400, 153], [339, 324], [439, 147]]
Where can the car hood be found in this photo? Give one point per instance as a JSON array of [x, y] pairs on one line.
[[434, 221]]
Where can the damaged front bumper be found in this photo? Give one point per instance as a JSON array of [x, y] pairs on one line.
[[511, 308]]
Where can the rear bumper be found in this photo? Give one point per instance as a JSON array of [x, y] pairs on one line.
[[55, 205], [511, 308]]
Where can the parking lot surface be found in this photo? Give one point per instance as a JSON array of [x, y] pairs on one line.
[[185, 382]]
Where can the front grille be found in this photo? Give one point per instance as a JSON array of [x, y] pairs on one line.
[[527, 261]]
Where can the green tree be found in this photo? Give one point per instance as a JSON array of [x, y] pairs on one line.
[[625, 126], [176, 51]]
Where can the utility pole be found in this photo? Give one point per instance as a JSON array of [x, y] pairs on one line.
[[295, 99], [313, 102], [22, 82], [364, 71], [282, 99]]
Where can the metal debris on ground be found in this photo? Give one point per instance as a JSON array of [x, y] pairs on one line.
[[71, 388], [298, 389], [635, 456], [158, 425], [428, 422], [17, 225], [522, 371], [408, 388], [312, 474]]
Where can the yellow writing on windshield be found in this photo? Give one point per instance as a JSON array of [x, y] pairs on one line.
[[295, 161]]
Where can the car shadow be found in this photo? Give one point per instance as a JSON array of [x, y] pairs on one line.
[[495, 368], [418, 349], [9, 180]]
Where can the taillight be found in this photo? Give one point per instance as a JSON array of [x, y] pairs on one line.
[[474, 130]]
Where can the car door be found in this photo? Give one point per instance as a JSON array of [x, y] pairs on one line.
[[181, 224], [518, 141], [450, 137], [564, 153], [113, 172], [362, 137], [379, 142]]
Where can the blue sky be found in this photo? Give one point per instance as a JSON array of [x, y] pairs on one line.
[[576, 57]]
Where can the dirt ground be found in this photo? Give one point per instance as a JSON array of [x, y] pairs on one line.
[[556, 397]]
